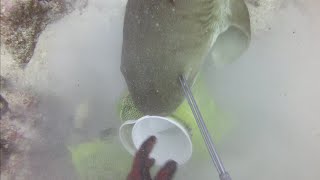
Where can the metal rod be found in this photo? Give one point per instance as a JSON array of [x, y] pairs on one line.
[[223, 174]]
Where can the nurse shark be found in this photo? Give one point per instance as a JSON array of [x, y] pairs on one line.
[[163, 39]]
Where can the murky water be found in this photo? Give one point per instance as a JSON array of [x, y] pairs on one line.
[[271, 92]]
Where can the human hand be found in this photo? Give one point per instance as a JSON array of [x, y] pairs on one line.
[[142, 163]]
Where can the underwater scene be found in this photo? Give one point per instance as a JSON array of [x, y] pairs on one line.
[[159, 89]]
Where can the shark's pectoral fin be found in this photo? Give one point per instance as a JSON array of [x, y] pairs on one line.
[[231, 43]]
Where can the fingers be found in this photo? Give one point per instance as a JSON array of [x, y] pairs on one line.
[[150, 163], [142, 163], [167, 171], [147, 147], [142, 156]]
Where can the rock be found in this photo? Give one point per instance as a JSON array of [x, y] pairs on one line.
[[22, 22], [4, 106], [17, 131], [2, 82]]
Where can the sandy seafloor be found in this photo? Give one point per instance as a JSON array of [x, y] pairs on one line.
[[272, 92]]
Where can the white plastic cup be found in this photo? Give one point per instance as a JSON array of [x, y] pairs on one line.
[[173, 140]]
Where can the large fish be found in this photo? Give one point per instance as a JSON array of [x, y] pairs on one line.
[[163, 39]]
